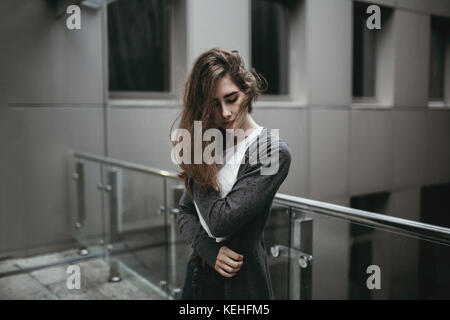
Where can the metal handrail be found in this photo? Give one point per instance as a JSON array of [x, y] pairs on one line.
[[125, 164], [370, 219]]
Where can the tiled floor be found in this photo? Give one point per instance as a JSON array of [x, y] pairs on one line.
[[50, 283]]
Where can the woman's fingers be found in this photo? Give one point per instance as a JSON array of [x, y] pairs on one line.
[[228, 262], [224, 273], [228, 268], [232, 263], [233, 255]]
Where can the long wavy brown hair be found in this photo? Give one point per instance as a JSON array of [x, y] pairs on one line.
[[199, 105]]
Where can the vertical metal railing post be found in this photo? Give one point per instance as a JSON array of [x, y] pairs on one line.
[[81, 206], [78, 176], [301, 255], [172, 246], [114, 188], [177, 192], [167, 236]]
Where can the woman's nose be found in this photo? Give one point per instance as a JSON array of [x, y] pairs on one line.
[[225, 112]]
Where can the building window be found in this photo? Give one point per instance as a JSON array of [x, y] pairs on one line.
[[270, 21], [139, 45], [363, 246], [364, 54], [434, 259], [438, 42], [376, 202]]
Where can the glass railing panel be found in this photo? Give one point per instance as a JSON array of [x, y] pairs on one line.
[[277, 242], [352, 261], [327, 274], [136, 226], [179, 249], [314, 250], [87, 224]]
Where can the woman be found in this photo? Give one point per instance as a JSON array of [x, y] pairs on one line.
[[225, 206]]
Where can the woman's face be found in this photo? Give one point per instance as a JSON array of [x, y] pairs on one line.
[[228, 98]]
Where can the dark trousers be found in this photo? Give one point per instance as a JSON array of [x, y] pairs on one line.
[[202, 282]]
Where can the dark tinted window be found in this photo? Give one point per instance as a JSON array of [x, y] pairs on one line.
[[438, 39], [270, 21], [364, 53], [138, 42]]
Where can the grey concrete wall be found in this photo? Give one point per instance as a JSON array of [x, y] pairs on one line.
[[43, 65], [218, 23], [328, 48]]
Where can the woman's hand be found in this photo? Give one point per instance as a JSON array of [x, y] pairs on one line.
[[228, 262]]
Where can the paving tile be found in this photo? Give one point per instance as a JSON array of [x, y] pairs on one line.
[[130, 259], [50, 283], [62, 292], [34, 261], [94, 263], [70, 253], [94, 272], [123, 290], [8, 265], [50, 275], [23, 287]]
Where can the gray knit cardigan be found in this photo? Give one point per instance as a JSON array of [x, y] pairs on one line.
[[240, 216]]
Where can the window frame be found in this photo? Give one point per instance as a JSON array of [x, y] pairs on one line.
[[382, 99], [364, 99], [268, 98], [444, 102], [112, 95]]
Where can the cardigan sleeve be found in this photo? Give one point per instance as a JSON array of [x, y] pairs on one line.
[[191, 230], [251, 193]]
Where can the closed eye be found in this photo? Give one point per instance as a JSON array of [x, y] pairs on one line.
[[232, 97]]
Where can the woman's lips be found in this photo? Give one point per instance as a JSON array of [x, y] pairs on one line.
[[228, 123]]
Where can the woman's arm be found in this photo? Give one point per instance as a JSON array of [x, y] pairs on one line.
[[224, 260], [250, 194], [191, 230]]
